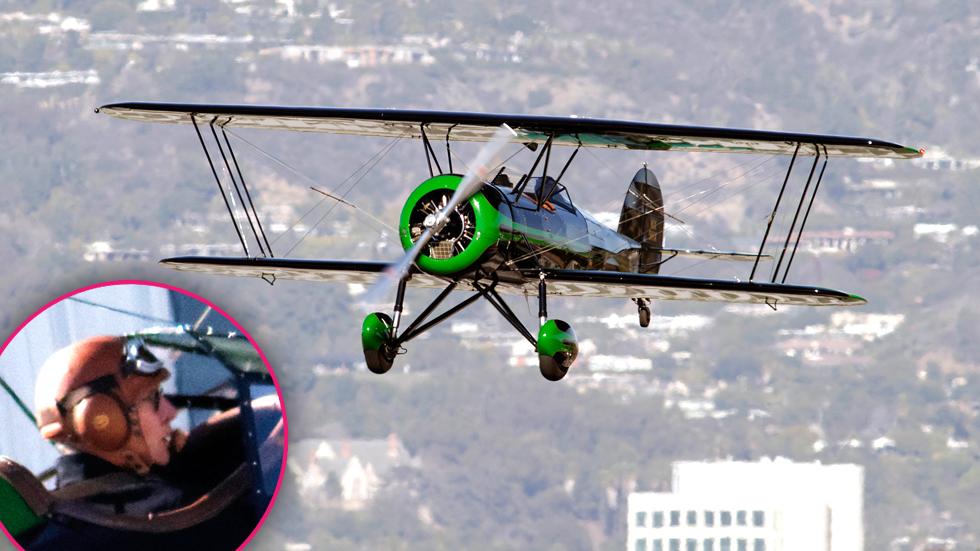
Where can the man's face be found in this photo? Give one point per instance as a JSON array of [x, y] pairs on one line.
[[155, 414]]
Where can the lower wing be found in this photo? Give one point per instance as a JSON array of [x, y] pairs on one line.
[[271, 269], [593, 283], [581, 283]]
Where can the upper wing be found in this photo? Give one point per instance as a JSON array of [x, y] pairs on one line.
[[591, 283], [571, 131], [270, 269]]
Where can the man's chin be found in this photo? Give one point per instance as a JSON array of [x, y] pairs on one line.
[[175, 442]]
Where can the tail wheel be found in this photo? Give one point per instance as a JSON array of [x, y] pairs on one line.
[[644, 313], [379, 346], [557, 349]]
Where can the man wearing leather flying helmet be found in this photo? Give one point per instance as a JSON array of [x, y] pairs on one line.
[[101, 397]]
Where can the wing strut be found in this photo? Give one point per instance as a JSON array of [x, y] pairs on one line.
[[775, 208], [234, 184], [807, 213], [221, 188], [796, 217], [449, 153], [519, 188], [241, 178], [430, 155], [567, 163], [258, 232]]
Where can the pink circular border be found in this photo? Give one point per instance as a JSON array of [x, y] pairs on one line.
[[275, 380]]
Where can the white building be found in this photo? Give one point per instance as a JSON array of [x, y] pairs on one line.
[[770, 505], [359, 468]]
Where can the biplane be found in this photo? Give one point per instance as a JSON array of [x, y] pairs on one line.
[[487, 233]]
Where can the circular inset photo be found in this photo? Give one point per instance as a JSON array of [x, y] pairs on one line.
[[136, 415]]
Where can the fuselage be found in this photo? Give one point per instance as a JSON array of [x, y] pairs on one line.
[[502, 230], [559, 235]]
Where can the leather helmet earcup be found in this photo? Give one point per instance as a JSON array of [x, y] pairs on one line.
[[101, 421]]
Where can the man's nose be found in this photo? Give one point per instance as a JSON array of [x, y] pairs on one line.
[[167, 410]]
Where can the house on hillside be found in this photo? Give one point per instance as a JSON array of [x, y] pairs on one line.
[[353, 56], [867, 326], [824, 350], [103, 251], [847, 240], [343, 472]]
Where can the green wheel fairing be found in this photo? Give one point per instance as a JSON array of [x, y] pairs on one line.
[[379, 348], [557, 349], [375, 330], [557, 336], [487, 227]]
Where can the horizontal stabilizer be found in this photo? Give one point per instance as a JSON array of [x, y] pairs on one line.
[[714, 255]]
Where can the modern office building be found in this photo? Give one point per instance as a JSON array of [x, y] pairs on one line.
[[770, 505]]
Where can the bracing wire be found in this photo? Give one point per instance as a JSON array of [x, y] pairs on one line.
[[121, 311], [709, 177], [20, 403], [707, 193], [702, 193], [387, 149], [495, 168], [383, 151]]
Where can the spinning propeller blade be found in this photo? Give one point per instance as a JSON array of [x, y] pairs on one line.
[[478, 172]]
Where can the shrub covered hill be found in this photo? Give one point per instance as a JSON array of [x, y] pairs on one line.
[[504, 460]]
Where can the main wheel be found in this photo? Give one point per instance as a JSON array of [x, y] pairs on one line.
[[379, 347], [557, 349]]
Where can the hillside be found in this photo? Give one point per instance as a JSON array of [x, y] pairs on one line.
[[498, 446]]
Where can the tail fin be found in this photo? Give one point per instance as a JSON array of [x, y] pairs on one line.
[[642, 218]]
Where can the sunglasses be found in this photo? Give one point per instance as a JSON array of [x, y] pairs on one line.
[[155, 398]]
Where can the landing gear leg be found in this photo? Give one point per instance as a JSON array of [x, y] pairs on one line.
[[399, 301], [557, 345], [378, 335], [542, 300], [643, 311]]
